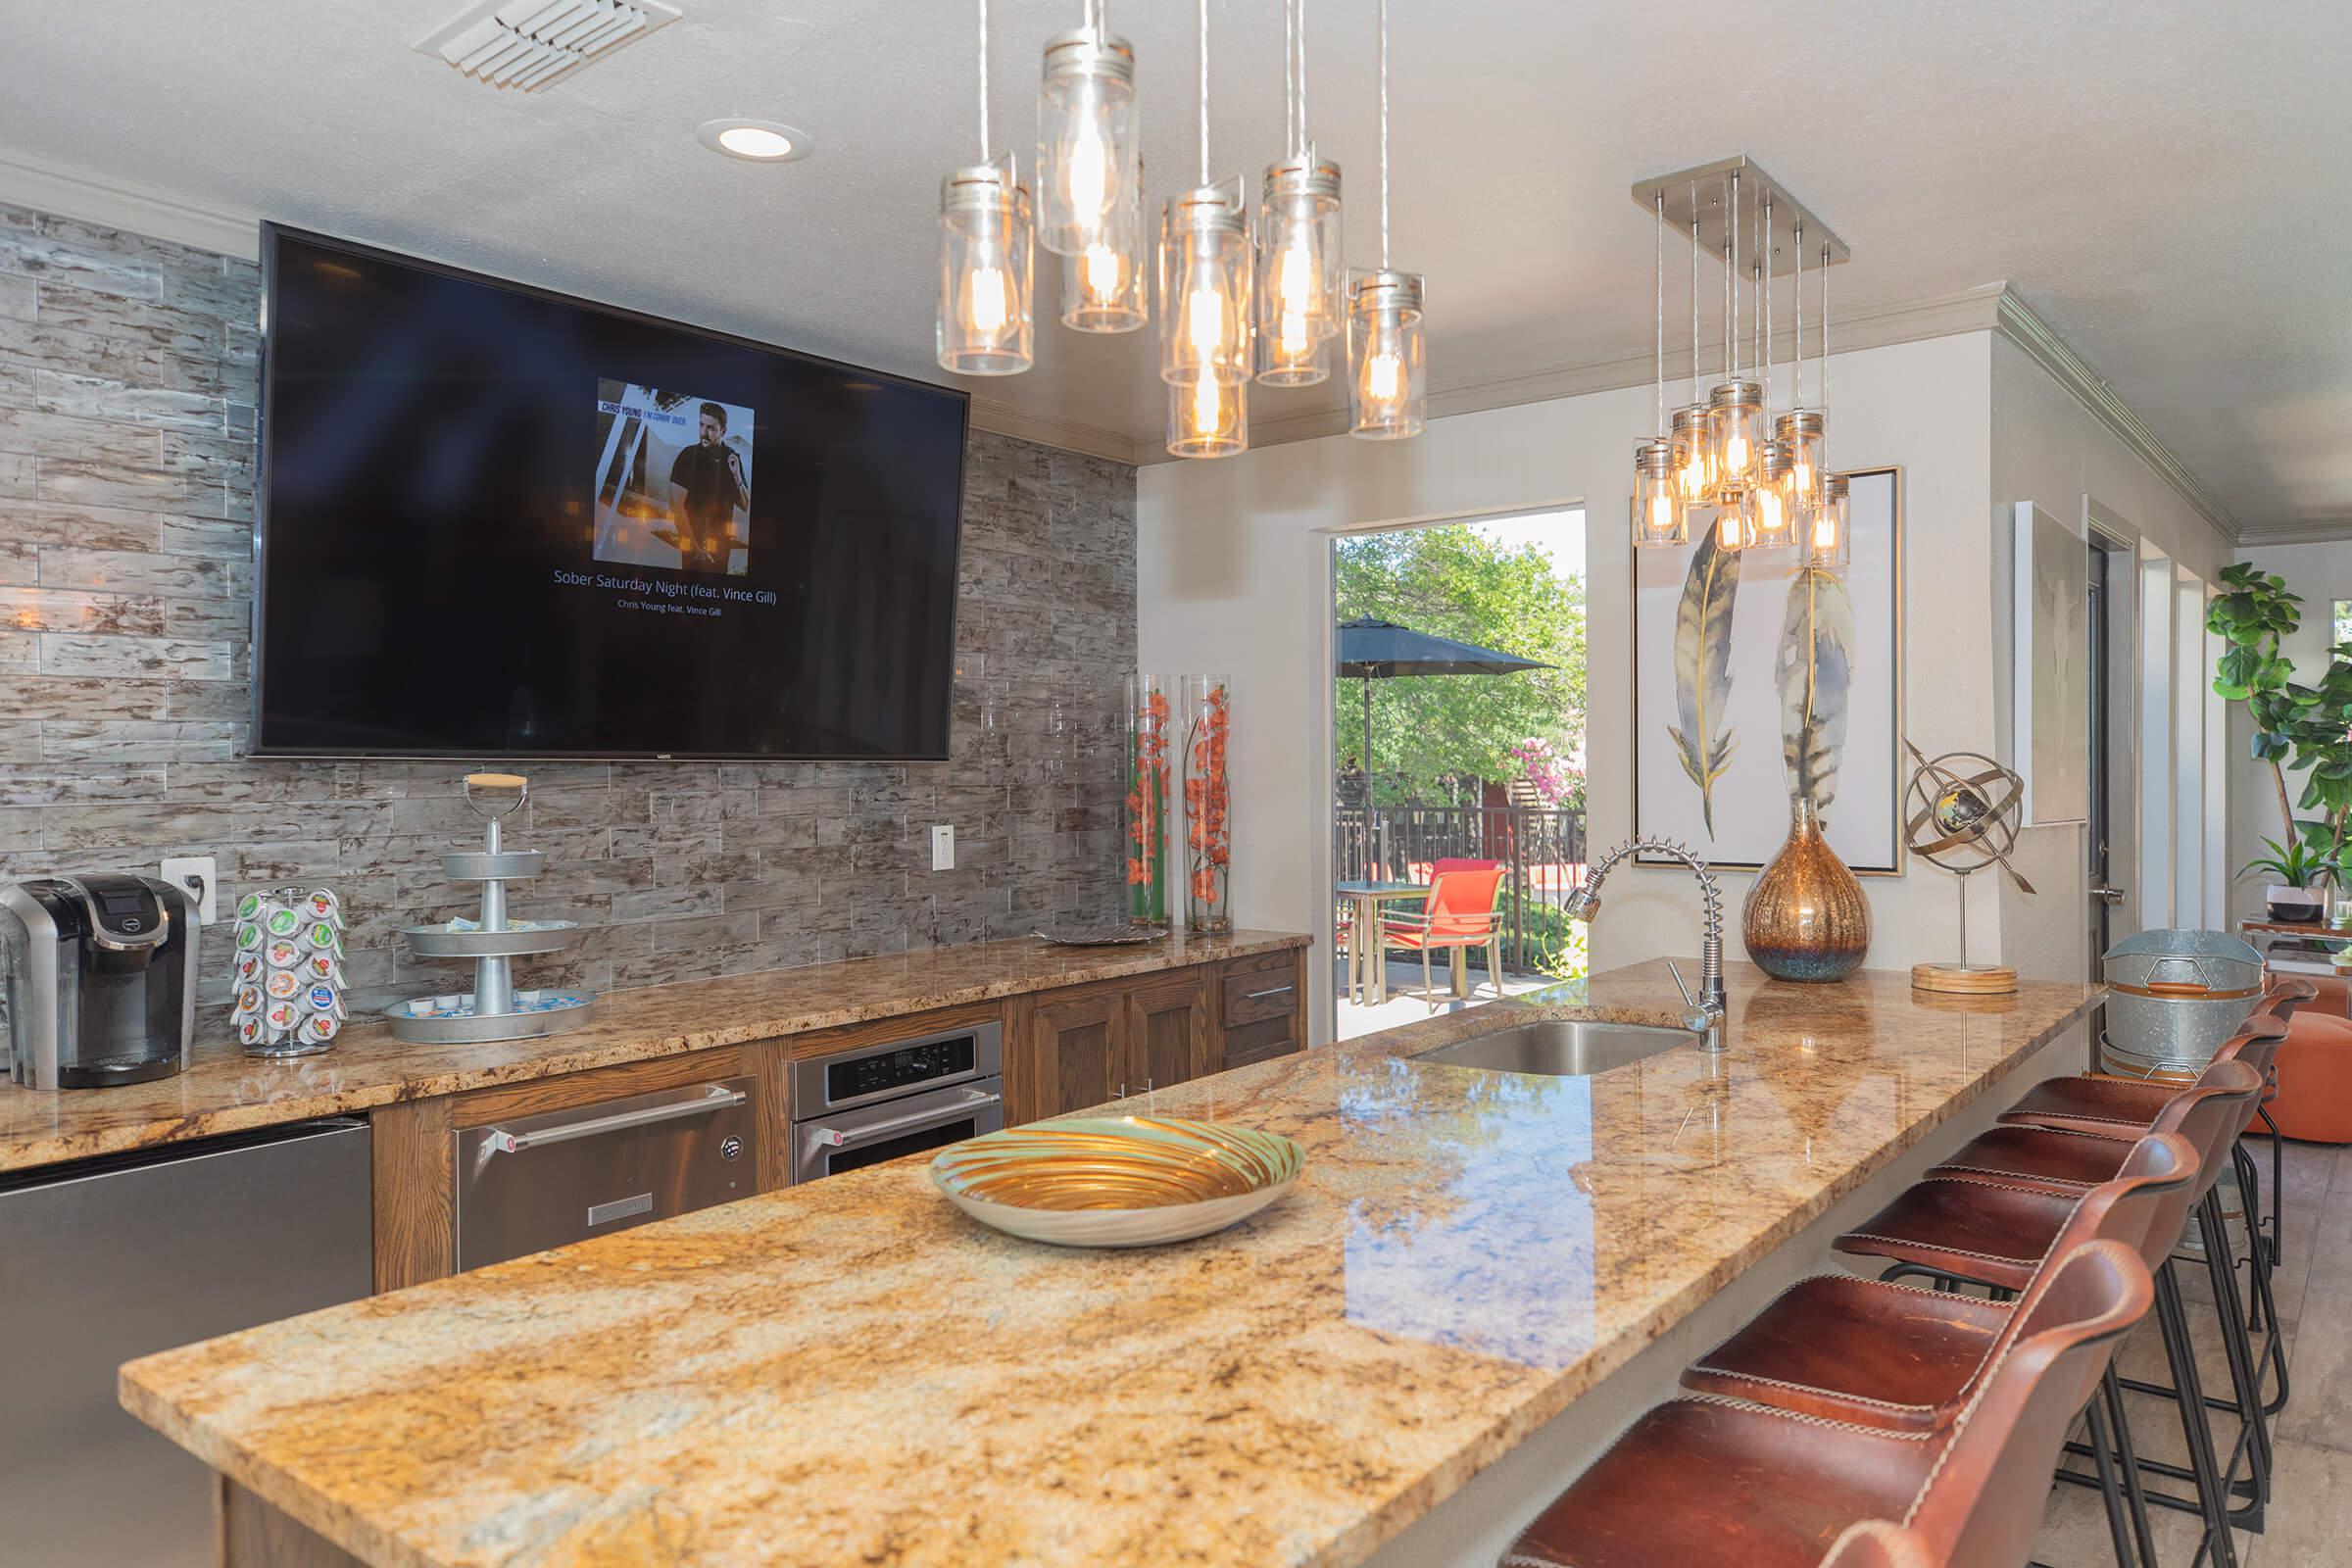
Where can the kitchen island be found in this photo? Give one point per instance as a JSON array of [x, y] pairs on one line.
[[850, 1371]]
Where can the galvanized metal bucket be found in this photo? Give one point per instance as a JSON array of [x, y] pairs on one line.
[[2174, 996]]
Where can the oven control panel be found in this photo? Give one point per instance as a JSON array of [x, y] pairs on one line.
[[907, 1067]]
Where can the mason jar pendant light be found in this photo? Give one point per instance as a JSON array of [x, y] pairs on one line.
[[1301, 271], [985, 254], [1658, 512], [1829, 542], [1206, 268], [1090, 177], [1694, 458], [1736, 408], [1765, 520], [1387, 378]]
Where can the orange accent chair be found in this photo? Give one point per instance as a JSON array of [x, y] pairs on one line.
[[1458, 915], [2314, 1068]]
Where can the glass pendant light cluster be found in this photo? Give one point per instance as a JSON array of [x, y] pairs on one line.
[[985, 254], [1712, 465], [1271, 301]]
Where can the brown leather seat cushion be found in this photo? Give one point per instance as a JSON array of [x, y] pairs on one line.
[[1975, 1228], [2120, 1107], [1853, 1350], [2041, 1153], [1698, 1483]]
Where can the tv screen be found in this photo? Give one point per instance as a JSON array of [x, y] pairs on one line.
[[497, 522]]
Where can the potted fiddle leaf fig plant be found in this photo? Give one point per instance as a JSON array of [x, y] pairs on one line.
[[2299, 728]]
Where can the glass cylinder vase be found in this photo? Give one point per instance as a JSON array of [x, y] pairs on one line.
[[1208, 805], [1145, 836]]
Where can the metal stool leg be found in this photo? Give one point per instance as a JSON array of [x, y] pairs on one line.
[[2194, 1425], [2134, 1492], [2102, 1453], [2256, 1427]]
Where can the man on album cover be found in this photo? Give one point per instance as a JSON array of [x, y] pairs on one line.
[[706, 486]]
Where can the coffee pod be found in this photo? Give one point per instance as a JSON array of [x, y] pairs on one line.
[[249, 968], [250, 1029], [249, 935], [323, 966], [282, 953], [322, 999], [283, 1016], [318, 1028], [322, 937], [249, 1000], [283, 921], [283, 983], [249, 908]]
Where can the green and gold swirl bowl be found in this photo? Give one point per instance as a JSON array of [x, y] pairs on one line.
[[1126, 1181]]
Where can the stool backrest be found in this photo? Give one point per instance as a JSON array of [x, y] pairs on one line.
[[2210, 1111], [2256, 1042], [1878, 1544], [1982, 1504], [2281, 995]]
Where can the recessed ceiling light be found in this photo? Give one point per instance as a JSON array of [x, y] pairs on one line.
[[755, 141]]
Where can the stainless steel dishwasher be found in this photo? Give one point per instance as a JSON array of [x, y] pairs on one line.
[[530, 1183], [110, 1259]]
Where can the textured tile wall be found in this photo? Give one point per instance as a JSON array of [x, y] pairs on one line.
[[127, 384]]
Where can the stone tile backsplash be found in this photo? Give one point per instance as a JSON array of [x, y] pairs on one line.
[[127, 387]]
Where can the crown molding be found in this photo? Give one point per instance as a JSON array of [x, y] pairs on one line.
[[999, 418], [2322, 532], [1971, 310], [127, 206], [2023, 326]]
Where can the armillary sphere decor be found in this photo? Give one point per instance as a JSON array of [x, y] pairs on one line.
[[1960, 812]]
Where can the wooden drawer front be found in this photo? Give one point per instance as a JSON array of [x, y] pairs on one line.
[[1254, 995], [1262, 1040]]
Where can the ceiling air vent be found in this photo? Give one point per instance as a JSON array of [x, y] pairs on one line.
[[530, 44]]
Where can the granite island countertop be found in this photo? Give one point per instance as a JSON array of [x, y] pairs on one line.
[[225, 1091], [850, 1371]]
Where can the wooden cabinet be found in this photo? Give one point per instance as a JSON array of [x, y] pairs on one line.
[[1085, 1046], [1261, 1008]]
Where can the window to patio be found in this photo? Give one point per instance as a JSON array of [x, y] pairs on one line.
[[1459, 726]]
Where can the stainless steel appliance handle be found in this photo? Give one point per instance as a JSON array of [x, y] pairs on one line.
[[1272, 991], [712, 1097], [835, 1137]]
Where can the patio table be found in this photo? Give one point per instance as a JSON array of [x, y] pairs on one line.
[[1368, 969]]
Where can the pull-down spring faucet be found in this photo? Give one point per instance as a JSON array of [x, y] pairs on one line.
[[1706, 1013]]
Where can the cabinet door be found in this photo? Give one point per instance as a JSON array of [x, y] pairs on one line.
[[1169, 1038], [1068, 1054]]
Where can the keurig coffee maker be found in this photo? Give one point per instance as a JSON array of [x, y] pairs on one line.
[[100, 983]]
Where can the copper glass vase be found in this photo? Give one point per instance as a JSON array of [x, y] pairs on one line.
[[1807, 918]]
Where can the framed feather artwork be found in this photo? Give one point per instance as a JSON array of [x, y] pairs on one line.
[[1756, 679]]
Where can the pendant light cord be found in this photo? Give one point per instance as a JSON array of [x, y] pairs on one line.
[[1730, 293], [1300, 7], [1384, 135], [1289, 75], [984, 80], [1204, 92], [1797, 395], [1660, 268], [1764, 278], [1696, 398], [1825, 331]]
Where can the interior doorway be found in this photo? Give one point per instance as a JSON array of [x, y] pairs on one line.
[[2108, 843]]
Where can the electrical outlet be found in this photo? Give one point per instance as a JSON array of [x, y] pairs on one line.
[[194, 875], [943, 848]]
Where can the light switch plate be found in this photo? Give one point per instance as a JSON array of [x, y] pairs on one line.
[[943, 848], [192, 872]]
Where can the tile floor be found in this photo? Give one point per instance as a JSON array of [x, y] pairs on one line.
[[2310, 1516]]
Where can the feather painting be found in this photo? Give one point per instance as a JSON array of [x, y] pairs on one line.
[[1703, 669], [1816, 669]]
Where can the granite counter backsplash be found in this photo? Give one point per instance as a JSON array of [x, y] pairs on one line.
[[128, 391]]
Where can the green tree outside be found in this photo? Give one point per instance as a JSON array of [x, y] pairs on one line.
[[1431, 732]]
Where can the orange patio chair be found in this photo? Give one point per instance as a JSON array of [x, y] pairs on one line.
[[1460, 913]]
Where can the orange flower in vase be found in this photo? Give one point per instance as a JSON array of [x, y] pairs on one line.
[[1208, 840]]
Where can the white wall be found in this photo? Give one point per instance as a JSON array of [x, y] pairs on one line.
[[2047, 448], [1232, 575]]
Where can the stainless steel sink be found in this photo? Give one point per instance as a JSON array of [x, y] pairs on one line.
[[1562, 1048]]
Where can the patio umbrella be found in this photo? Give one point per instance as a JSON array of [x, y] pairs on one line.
[[1379, 650]]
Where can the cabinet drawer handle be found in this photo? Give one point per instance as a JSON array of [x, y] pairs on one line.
[[709, 1097], [1274, 991]]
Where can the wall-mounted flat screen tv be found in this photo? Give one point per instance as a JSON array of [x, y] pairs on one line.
[[499, 523]]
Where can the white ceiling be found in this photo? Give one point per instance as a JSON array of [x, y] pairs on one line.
[[2163, 180]]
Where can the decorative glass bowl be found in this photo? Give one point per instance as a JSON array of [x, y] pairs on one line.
[[1126, 1181]]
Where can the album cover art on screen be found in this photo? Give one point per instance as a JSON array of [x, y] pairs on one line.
[[674, 480]]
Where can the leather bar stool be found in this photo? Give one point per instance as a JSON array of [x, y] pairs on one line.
[[1903, 1359], [1709, 1481], [1876, 1543], [1993, 1230]]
